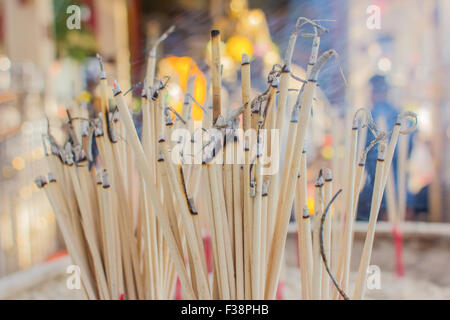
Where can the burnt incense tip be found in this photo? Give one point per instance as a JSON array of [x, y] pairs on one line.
[[100, 61], [220, 122], [40, 181], [328, 175], [265, 188], [102, 70], [144, 93], [245, 59], [275, 83], [305, 212], [215, 33], [191, 205], [161, 139], [99, 178], [381, 151], [116, 88], [319, 181], [252, 188], [51, 178], [105, 180], [98, 126]]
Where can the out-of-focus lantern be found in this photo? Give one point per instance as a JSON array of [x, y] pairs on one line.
[[180, 69]]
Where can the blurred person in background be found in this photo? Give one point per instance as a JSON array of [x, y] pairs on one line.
[[381, 110]]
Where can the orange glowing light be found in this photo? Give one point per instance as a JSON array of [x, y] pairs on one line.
[[237, 45], [180, 69]]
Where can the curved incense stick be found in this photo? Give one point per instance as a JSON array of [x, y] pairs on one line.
[[322, 248], [328, 190]]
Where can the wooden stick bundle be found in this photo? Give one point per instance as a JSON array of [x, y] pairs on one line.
[[133, 238]]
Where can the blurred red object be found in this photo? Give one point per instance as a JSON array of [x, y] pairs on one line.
[[57, 255]]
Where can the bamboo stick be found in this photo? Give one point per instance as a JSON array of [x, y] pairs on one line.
[[216, 67], [377, 196], [246, 124], [144, 170], [344, 259], [191, 236], [304, 232], [238, 225], [284, 205], [317, 263]]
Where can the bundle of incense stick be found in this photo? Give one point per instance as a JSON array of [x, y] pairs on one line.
[[136, 220], [320, 280]]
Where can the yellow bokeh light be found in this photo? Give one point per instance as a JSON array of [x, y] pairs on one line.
[[327, 152], [18, 163], [84, 96], [237, 45], [180, 69], [310, 204]]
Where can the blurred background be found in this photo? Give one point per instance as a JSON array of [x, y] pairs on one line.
[[47, 63]]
